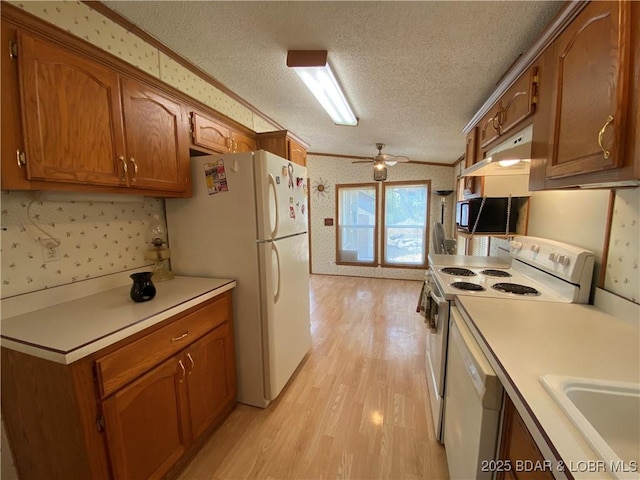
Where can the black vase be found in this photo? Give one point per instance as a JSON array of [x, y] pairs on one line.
[[142, 289]]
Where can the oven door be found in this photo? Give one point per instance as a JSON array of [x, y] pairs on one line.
[[436, 357]]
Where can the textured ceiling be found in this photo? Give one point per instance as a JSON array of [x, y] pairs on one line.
[[415, 72]]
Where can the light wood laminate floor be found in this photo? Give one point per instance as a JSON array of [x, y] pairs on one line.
[[357, 407]]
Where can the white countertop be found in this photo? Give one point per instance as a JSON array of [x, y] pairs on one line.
[[524, 340], [71, 330], [469, 261]]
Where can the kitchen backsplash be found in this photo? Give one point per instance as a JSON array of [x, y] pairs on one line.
[[327, 171], [79, 19], [622, 274], [96, 238]]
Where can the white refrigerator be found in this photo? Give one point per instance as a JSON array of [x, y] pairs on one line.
[[247, 220]]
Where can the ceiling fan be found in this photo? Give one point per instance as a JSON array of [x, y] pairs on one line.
[[383, 159], [380, 162]]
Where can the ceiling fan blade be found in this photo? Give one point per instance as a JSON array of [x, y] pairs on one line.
[[393, 160], [361, 161]]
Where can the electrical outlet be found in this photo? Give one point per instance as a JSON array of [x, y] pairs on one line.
[[50, 250]]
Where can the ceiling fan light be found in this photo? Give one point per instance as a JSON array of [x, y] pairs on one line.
[[378, 165], [314, 70]]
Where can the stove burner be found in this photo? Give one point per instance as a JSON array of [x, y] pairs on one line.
[[460, 272], [495, 273], [515, 289], [467, 286]]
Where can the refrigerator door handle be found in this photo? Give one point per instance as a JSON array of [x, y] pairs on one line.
[[272, 184], [276, 295]]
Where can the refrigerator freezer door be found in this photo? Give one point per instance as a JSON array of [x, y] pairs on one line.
[[281, 196], [285, 265]]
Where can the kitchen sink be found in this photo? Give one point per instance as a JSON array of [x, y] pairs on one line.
[[607, 414]]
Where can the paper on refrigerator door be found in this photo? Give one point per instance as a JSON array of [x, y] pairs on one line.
[[215, 177]]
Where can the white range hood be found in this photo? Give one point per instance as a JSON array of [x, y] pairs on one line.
[[511, 157]]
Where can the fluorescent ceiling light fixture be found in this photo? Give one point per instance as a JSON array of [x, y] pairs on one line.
[[314, 70]]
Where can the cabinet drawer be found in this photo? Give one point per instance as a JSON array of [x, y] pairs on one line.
[[120, 367]]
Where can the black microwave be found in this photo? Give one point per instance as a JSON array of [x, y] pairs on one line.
[[491, 218]]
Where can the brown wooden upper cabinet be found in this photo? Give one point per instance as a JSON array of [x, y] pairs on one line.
[[242, 143], [156, 132], [489, 126], [591, 91], [86, 124], [284, 144], [516, 105], [519, 101], [210, 134], [213, 136], [470, 155], [71, 115]]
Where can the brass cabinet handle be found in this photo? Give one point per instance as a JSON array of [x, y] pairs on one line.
[[227, 143], [124, 167], [495, 119], [135, 169], [515, 95], [605, 153], [177, 339], [184, 370], [20, 158], [193, 364]]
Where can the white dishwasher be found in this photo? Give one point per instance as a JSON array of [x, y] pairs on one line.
[[473, 397]]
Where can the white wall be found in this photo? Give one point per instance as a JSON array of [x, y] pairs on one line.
[[331, 170], [578, 217]]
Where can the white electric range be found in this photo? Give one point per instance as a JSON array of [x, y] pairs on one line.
[[540, 270]]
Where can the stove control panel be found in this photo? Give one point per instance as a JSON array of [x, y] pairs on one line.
[[515, 246], [560, 259]]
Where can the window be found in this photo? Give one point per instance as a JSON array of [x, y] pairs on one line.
[[404, 224], [357, 224], [404, 219]]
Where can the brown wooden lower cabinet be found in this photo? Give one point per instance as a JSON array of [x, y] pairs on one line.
[[146, 424], [517, 447], [102, 417]]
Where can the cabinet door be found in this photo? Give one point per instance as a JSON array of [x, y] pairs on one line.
[[210, 134], [156, 132], [519, 101], [297, 153], [517, 446], [470, 151], [489, 126], [242, 143], [147, 423], [591, 91], [211, 377], [71, 115]]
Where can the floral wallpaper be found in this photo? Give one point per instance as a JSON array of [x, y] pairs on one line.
[[622, 275], [95, 239], [79, 19], [327, 171]]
